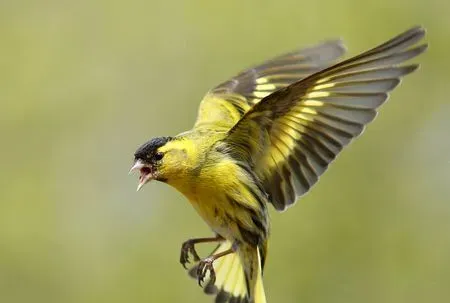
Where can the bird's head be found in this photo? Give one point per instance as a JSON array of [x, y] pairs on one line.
[[161, 159], [148, 159]]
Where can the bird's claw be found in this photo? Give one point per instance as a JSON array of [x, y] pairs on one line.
[[186, 249], [204, 266]]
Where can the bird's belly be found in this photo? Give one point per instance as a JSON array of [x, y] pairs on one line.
[[212, 211]]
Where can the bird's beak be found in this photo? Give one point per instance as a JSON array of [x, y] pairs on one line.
[[145, 170]]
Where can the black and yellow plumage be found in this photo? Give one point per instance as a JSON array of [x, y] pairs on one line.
[[266, 136]]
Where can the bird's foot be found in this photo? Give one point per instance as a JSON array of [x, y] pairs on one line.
[[186, 249], [205, 266]]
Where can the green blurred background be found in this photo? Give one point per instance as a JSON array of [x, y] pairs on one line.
[[84, 83]]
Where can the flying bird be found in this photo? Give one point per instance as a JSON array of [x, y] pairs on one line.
[[265, 137]]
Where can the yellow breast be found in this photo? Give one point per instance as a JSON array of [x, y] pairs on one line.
[[209, 193]]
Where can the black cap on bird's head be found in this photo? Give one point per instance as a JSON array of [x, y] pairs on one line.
[[146, 159], [146, 150]]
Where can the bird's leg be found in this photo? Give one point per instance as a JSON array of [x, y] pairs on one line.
[[188, 247], [206, 265]]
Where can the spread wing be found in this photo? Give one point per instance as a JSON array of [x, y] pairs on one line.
[[227, 103], [292, 135]]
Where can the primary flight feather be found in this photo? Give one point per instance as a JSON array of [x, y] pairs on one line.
[[266, 136]]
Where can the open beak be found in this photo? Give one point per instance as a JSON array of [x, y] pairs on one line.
[[145, 170]]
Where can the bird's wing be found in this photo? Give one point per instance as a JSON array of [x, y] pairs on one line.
[[292, 135], [227, 103]]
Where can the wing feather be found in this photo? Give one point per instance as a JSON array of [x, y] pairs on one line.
[[308, 123], [224, 105]]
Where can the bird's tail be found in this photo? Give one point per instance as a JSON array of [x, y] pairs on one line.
[[233, 281], [252, 259]]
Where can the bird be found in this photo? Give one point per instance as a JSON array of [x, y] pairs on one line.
[[265, 137]]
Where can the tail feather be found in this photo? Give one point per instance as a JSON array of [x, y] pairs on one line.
[[259, 293], [251, 258]]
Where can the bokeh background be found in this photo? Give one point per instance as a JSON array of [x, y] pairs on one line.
[[83, 83]]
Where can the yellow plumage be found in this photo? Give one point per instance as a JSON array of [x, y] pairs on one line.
[[265, 137]]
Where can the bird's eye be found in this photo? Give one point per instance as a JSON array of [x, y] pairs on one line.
[[158, 156]]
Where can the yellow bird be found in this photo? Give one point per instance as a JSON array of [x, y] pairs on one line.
[[265, 137]]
